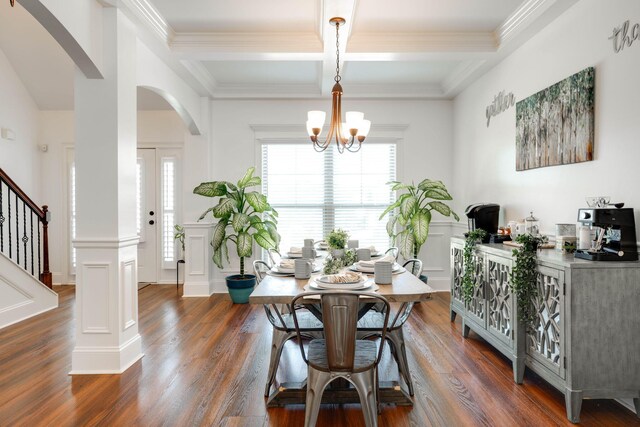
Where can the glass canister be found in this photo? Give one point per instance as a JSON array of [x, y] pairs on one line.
[[532, 225]]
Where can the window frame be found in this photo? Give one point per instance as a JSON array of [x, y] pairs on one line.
[[329, 210]]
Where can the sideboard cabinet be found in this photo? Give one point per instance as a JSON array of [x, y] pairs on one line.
[[586, 337]]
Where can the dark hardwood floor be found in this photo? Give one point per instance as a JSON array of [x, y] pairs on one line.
[[206, 361]]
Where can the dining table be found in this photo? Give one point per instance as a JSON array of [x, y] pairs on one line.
[[405, 289]]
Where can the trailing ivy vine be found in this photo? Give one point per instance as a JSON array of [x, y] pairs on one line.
[[524, 277], [469, 265]]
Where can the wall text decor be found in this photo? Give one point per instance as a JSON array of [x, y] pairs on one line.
[[500, 103], [555, 125], [622, 37]]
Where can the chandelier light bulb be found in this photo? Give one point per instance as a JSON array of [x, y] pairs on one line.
[[363, 130], [354, 119]]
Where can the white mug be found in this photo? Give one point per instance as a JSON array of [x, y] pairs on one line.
[[520, 228], [302, 268]]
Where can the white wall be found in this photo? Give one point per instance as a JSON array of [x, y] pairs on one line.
[[20, 158], [485, 157], [155, 129], [424, 149]]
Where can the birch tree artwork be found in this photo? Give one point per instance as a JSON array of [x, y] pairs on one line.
[[555, 125]]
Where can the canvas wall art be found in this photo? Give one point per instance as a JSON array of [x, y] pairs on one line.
[[555, 125]]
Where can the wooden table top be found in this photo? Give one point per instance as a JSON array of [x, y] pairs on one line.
[[405, 287]]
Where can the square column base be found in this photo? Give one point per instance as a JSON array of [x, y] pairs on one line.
[[105, 360]]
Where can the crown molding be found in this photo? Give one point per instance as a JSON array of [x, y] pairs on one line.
[[201, 74], [462, 72], [404, 91], [306, 42], [312, 91], [423, 42], [151, 17], [266, 90], [521, 18]]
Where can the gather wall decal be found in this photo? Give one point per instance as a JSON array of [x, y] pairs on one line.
[[501, 102], [623, 37]]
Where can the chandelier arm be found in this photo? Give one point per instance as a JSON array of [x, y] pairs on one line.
[[335, 127]]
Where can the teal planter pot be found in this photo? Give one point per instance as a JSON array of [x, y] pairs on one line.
[[240, 287]]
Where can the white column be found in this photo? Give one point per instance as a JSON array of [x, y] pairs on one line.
[[107, 339], [198, 267]]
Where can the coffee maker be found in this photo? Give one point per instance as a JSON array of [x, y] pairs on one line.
[[615, 234], [483, 216]]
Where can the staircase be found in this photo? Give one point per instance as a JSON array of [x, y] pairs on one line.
[[25, 279]]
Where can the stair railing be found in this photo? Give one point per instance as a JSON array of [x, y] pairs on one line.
[[19, 216]]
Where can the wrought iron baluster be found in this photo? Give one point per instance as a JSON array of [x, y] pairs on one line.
[[1, 220], [25, 239], [9, 224], [32, 272], [39, 248], [17, 231]]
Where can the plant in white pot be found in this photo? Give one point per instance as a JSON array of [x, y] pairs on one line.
[[409, 226], [243, 217]]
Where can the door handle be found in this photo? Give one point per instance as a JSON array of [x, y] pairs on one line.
[[151, 222]]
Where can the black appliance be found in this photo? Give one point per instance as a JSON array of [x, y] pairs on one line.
[[615, 234], [483, 216]]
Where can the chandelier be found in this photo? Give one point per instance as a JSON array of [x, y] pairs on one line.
[[355, 129]]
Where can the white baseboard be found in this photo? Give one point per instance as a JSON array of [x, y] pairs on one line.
[[106, 360]]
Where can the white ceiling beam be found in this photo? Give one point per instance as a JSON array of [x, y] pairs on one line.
[[333, 8], [240, 43], [423, 42]]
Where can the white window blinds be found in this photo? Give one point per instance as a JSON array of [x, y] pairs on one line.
[[317, 192]]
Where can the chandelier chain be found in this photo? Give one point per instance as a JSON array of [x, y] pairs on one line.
[[337, 77]]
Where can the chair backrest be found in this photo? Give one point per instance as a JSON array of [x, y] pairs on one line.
[[260, 269], [393, 251], [414, 266], [274, 256], [340, 319]]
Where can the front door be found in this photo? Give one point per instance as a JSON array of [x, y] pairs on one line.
[[146, 216]]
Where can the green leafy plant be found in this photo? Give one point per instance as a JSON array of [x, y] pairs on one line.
[[468, 282], [337, 239], [243, 217], [179, 235], [524, 276], [333, 264], [414, 214]]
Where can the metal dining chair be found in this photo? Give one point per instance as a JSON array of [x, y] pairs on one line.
[[340, 354], [393, 251], [274, 256], [283, 326], [370, 323]]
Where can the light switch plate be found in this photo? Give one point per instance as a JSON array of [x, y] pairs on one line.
[[8, 134]]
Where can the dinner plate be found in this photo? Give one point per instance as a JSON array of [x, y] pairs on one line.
[[355, 267], [283, 270], [370, 287], [295, 255], [341, 286], [326, 280]]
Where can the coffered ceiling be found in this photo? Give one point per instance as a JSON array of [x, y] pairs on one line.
[[286, 48]]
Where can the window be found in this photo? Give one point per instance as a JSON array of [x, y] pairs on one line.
[[317, 192], [72, 215], [168, 182]]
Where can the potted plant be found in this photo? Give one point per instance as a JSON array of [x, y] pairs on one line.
[[337, 241], [243, 217], [524, 277], [178, 235], [413, 217]]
